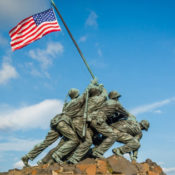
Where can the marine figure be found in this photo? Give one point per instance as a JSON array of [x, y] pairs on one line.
[[130, 133], [107, 110], [60, 126], [70, 112]]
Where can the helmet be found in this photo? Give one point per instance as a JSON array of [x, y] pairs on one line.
[[94, 91], [73, 93], [145, 124], [114, 94]]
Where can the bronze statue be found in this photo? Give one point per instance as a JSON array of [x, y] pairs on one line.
[[83, 118]]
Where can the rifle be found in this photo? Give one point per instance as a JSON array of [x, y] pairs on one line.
[[65, 102], [85, 114]]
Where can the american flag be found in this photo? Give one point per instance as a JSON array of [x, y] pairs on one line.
[[33, 28]]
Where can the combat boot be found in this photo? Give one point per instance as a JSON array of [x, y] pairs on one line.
[[57, 159], [97, 155], [40, 162], [117, 152], [134, 160], [72, 161], [51, 162], [25, 160]]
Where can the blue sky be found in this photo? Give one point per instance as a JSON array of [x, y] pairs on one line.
[[130, 47]]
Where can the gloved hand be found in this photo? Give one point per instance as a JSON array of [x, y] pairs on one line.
[[94, 81], [101, 86]]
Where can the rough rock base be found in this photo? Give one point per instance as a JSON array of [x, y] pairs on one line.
[[110, 166]]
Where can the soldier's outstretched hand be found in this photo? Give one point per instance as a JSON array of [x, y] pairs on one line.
[[94, 81]]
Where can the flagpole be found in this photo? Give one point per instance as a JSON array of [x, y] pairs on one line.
[[76, 45]]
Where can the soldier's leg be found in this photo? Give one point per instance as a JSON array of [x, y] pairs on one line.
[[130, 143], [48, 156], [69, 145], [84, 146], [106, 131], [51, 137]]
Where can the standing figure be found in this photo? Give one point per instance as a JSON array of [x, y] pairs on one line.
[[97, 95], [70, 110]]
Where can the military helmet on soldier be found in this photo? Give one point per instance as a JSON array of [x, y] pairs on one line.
[[73, 93], [114, 95], [145, 124], [94, 91]]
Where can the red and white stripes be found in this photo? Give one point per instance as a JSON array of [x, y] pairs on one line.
[[27, 31]]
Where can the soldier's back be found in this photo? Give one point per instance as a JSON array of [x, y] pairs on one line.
[[128, 126], [95, 103], [109, 107], [74, 106], [58, 118]]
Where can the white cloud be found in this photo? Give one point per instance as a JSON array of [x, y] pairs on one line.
[[28, 117], [158, 112], [151, 107], [45, 56], [92, 20], [8, 57], [7, 72], [3, 41], [13, 11], [32, 69], [83, 39], [15, 144], [169, 170], [18, 165]]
